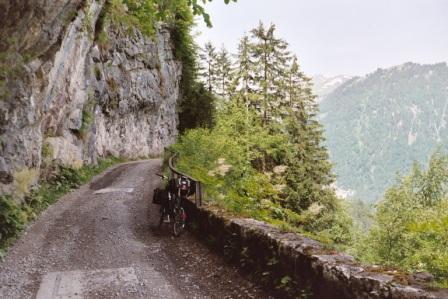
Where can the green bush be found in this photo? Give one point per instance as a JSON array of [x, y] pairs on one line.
[[12, 219]]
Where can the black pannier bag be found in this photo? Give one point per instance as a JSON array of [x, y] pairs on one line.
[[160, 196], [192, 188]]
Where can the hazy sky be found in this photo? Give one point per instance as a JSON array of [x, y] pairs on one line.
[[351, 37]]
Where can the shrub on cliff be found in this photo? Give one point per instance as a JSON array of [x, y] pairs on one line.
[[12, 219]]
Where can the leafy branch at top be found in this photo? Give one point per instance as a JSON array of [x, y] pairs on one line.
[[198, 9]]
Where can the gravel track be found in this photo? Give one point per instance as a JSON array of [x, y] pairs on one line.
[[107, 245]]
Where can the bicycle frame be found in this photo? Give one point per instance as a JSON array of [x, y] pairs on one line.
[[174, 207]]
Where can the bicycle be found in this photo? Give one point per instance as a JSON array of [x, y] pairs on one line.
[[171, 208]]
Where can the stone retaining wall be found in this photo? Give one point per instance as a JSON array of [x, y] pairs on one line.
[[295, 266]]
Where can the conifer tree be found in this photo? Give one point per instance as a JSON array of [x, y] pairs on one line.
[[243, 80], [309, 173], [271, 58], [223, 73], [208, 63], [294, 84]]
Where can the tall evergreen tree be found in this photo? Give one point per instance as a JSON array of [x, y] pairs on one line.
[[243, 77], [294, 86], [197, 109], [223, 73], [268, 80], [208, 63], [271, 58], [309, 173]]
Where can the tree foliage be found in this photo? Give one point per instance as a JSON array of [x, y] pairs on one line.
[[411, 223], [223, 73], [264, 156], [197, 108], [243, 75], [208, 69], [271, 62], [148, 12]]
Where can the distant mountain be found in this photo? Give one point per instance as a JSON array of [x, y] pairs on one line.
[[324, 85], [377, 125]]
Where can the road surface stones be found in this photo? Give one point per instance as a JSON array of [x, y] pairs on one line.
[[112, 190]]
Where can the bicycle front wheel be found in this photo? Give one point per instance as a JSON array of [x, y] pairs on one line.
[[179, 221]]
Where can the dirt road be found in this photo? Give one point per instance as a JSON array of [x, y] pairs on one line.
[[101, 241]]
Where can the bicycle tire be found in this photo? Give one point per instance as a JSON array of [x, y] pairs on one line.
[[178, 221]]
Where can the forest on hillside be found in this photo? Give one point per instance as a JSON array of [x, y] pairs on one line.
[[379, 124]]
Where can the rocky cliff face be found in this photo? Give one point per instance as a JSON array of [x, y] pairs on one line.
[[68, 97]]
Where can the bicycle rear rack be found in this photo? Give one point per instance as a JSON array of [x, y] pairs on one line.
[[176, 173]]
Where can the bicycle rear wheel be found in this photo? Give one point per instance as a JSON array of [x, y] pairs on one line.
[[179, 221]]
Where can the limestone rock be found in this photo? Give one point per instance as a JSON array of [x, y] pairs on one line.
[[85, 101], [5, 174]]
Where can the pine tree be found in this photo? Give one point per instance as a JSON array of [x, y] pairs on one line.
[[223, 72], [309, 170], [271, 56], [197, 108], [294, 86], [243, 81], [208, 61]]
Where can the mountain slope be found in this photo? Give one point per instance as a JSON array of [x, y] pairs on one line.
[[324, 85], [379, 124]]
